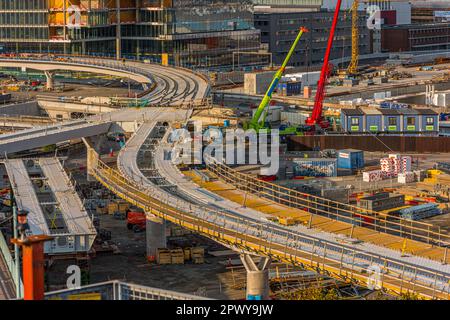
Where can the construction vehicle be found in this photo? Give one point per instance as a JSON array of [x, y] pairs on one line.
[[317, 120], [258, 121], [136, 221], [316, 123]]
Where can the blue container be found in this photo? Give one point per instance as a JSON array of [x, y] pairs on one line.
[[226, 123], [350, 159], [293, 88]]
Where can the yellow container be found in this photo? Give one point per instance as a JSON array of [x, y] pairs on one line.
[[286, 221]]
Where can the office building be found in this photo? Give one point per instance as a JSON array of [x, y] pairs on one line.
[[191, 33]]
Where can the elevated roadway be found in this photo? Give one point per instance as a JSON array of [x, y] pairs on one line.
[[46, 135], [49, 67]]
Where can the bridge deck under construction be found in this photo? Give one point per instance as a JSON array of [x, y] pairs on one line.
[[392, 281], [269, 207]]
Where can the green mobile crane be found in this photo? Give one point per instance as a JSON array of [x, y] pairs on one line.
[[258, 121]]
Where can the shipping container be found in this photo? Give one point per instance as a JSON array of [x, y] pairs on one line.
[[319, 167], [257, 82], [294, 88], [293, 117], [350, 159]]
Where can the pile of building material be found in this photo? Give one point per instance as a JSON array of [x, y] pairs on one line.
[[396, 164], [373, 176], [420, 212], [382, 201], [406, 177], [198, 255], [118, 206], [179, 255], [163, 256], [391, 167]]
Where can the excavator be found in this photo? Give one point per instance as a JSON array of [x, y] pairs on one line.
[[316, 123]]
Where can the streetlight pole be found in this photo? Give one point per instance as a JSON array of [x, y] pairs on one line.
[[16, 249]]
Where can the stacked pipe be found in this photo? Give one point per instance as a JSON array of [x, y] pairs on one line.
[[420, 212]]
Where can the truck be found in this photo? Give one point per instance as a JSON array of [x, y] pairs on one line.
[[136, 220]]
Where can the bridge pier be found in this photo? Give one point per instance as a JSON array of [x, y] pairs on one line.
[[155, 235], [50, 80], [257, 277]]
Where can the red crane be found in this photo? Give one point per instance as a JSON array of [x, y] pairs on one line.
[[316, 117]]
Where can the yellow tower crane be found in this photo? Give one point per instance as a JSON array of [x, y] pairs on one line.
[[353, 67]]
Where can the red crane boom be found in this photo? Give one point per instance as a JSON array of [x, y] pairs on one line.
[[316, 117]]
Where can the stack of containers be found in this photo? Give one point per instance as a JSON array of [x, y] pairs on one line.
[[406, 164], [388, 165], [395, 164], [391, 167]]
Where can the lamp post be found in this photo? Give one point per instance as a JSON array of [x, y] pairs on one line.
[[32, 258], [16, 251]]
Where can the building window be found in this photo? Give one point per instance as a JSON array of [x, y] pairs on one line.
[[430, 121], [411, 121], [392, 121], [355, 121]]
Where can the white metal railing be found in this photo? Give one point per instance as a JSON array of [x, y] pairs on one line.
[[118, 290]]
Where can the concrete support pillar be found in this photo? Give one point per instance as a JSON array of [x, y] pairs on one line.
[[50, 80], [155, 235], [257, 277]]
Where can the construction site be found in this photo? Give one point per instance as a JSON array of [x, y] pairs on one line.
[[138, 178]]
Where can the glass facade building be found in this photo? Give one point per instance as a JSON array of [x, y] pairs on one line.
[[192, 33]]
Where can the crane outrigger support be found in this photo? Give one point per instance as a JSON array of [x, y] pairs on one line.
[[256, 122]]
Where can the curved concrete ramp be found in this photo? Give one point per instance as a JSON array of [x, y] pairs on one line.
[[112, 70]]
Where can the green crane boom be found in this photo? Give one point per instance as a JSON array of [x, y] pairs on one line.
[[255, 123]]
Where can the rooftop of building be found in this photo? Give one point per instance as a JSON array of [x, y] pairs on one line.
[[417, 25], [380, 111]]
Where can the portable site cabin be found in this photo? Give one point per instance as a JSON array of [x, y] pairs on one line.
[[391, 120], [429, 120], [380, 120], [352, 120]]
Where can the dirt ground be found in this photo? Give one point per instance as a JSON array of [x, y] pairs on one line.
[[210, 279]]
